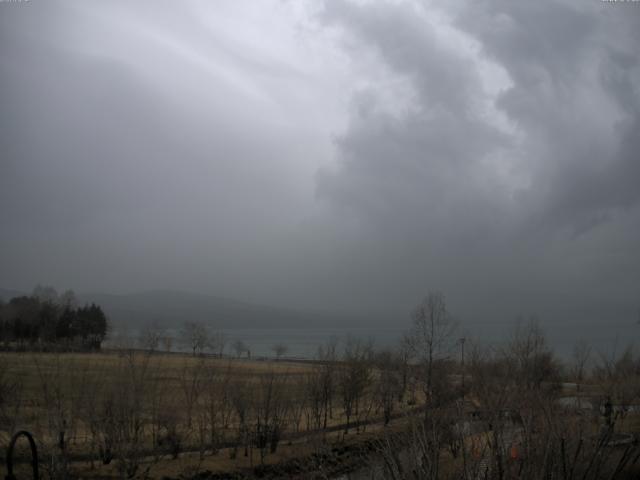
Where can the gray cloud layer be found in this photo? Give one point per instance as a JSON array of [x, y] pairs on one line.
[[347, 155]]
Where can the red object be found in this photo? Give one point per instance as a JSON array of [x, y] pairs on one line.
[[514, 452]]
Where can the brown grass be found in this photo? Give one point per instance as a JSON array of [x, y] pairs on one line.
[[74, 379]]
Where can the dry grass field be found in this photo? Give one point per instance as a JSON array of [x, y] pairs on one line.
[[135, 414], [131, 413]]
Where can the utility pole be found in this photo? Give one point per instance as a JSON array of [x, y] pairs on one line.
[[462, 340]]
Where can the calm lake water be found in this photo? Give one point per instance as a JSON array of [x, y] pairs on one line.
[[301, 343], [604, 338], [304, 343]]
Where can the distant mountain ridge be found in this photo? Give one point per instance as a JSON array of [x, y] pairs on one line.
[[6, 294], [171, 308]]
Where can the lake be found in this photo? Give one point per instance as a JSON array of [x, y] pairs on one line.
[[604, 337]]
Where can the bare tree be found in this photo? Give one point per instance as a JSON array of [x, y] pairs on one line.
[[520, 430], [327, 354], [580, 357], [216, 405], [170, 437], [315, 399], [90, 409], [619, 375], [431, 336], [167, 342], [68, 299], [239, 347], [387, 385], [191, 383], [559, 446], [45, 293], [217, 343], [279, 349], [62, 392], [151, 336], [419, 452], [240, 399], [195, 336], [160, 401], [121, 415], [269, 412], [404, 356], [299, 399], [11, 399], [534, 360], [354, 377]]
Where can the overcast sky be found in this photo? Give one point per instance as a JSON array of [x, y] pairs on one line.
[[346, 155]]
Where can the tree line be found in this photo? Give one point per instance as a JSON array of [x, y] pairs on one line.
[[46, 320], [494, 413]]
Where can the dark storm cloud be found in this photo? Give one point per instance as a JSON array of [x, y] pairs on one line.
[[572, 101], [347, 155], [426, 163], [575, 74], [522, 195]]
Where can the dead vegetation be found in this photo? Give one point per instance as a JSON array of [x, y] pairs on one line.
[[413, 412]]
